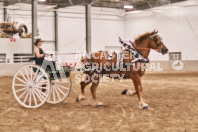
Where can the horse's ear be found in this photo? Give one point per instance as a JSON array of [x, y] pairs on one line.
[[152, 33], [156, 32]]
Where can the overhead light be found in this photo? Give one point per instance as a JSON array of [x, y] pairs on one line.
[[42, 0], [128, 7]]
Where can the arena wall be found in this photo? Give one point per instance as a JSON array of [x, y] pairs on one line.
[[188, 65], [9, 69], [1, 12], [106, 25], [177, 25]]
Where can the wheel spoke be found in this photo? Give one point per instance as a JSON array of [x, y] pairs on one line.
[[63, 87], [42, 87], [21, 80], [30, 99], [35, 101], [27, 74], [43, 81], [40, 78], [61, 91], [35, 74], [23, 76], [41, 93], [57, 93], [64, 81], [54, 98], [26, 97], [23, 93], [38, 92], [31, 70], [22, 89], [50, 94], [20, 85], [38, 83]]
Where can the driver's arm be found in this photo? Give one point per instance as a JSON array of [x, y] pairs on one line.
[[38, 55]]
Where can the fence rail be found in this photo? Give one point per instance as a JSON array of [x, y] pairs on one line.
[[23, 59]]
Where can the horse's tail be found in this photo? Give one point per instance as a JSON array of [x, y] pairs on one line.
[[85, 63]]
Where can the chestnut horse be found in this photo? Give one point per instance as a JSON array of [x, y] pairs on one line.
[[143, 44]]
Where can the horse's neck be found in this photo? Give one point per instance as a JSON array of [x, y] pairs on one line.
[[143, 49]]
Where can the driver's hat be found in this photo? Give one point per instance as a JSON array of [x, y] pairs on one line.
[[37, 41]]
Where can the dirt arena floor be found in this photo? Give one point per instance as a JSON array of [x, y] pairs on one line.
[[172, 96]]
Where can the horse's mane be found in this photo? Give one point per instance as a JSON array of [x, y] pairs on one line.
[[141, 38]]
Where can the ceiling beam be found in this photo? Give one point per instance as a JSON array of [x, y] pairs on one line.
[[138, 4]]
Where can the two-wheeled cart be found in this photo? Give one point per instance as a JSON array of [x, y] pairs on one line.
[[33, 86]]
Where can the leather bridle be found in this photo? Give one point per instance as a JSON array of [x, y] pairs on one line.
[[159, 45]]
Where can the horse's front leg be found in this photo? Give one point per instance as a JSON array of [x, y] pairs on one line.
[[83, 84], [95, 83], [138, 88]]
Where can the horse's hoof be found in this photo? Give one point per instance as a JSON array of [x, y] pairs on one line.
[[127, 92], [79, 98], [100, 104], [124, 92], [145, 107]]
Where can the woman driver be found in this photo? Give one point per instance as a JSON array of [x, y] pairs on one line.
[[39, 54]]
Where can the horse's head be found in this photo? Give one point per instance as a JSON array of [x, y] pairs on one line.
[[156, 43]]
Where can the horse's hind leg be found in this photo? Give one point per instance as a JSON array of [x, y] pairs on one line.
[[83, 84], [128, 92]]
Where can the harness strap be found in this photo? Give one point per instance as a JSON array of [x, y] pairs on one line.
[[110, 57], [137, 55]]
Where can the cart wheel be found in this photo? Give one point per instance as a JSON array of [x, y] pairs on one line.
[[30, 86], [60, 89]]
